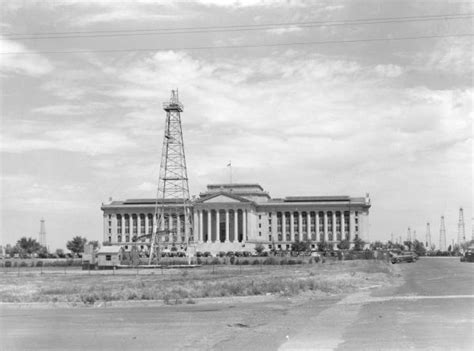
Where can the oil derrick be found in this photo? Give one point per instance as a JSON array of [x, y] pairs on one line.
[[461, 229], [442, 235], [42, 233], [173, 188], [409, 234], [428, 236]]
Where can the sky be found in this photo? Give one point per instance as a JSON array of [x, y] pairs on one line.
[[82, 118]]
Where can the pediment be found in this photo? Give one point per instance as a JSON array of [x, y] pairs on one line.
[[221, 199]]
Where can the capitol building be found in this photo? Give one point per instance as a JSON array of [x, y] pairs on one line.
[[237, 217]]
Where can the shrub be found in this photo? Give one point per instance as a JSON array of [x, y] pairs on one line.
[[207, 254], [39, 264], [215, 260], [198, 254], [199, 260], [245, 262], [230, 253], [232, 260], [283, 261], [270, 260], [246, 254], [256, 262], [23, 264], [238, 254], [291, 261], [221, 254], [8, 263]]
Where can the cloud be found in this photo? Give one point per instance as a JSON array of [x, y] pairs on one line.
[[76, 137], [280, 31], [16, 58], [389, 71]]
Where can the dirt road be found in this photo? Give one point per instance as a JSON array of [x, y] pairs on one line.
[[432, 309]]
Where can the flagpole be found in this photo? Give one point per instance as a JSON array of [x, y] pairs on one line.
[[230, 171]]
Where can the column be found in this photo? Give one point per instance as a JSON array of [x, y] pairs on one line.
[[325, 226], [343, 234], [139, 225], [274, 226], [236, 218], [195, 229], [201, 236], [123, 226], [283, 226], [218, 238], [226, 225], [106, 231], [308, 225], [292, 226], [334, 237], [244, 225], [147, 223], [316, 225], [351, 225], [178, 226], [300, 225], [209, 226]]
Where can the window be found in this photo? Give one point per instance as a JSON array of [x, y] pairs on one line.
[[110, 231], [108, 257], [260, 225], [270, 237], [269, 229], [259, 233], [110, 216], [110, 239], [259, 216], [110, 223], [357, 220], [357, 228]]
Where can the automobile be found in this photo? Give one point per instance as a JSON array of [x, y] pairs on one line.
[[468, 256], [402, 257]]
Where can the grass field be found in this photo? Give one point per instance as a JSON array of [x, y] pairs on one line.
[[54, 284]]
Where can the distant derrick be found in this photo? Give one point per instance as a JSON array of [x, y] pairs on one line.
[[428, 236], [442, 235], [461, 228], [42, 233]]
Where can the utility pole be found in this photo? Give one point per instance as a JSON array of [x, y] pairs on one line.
[[409, 234]]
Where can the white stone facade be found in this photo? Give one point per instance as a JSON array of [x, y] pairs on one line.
[[237, 217]]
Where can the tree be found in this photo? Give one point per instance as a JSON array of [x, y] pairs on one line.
[[95, 244], [301, 246], [76, 245], [408, 244], [27, 246], [344, 245], [324, 246], [60, 253], [259, 249], [358, 243], [419, 248]]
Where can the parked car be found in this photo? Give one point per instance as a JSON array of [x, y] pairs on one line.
[[402, 257], [468, 256]]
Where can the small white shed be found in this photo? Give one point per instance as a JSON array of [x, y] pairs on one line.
[[109, 256]]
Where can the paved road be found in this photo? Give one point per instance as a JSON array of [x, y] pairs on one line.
[[433, 309]]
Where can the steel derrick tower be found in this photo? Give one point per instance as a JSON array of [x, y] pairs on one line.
[[461, 228], [42, 233], [442, 235], [173, 188]]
